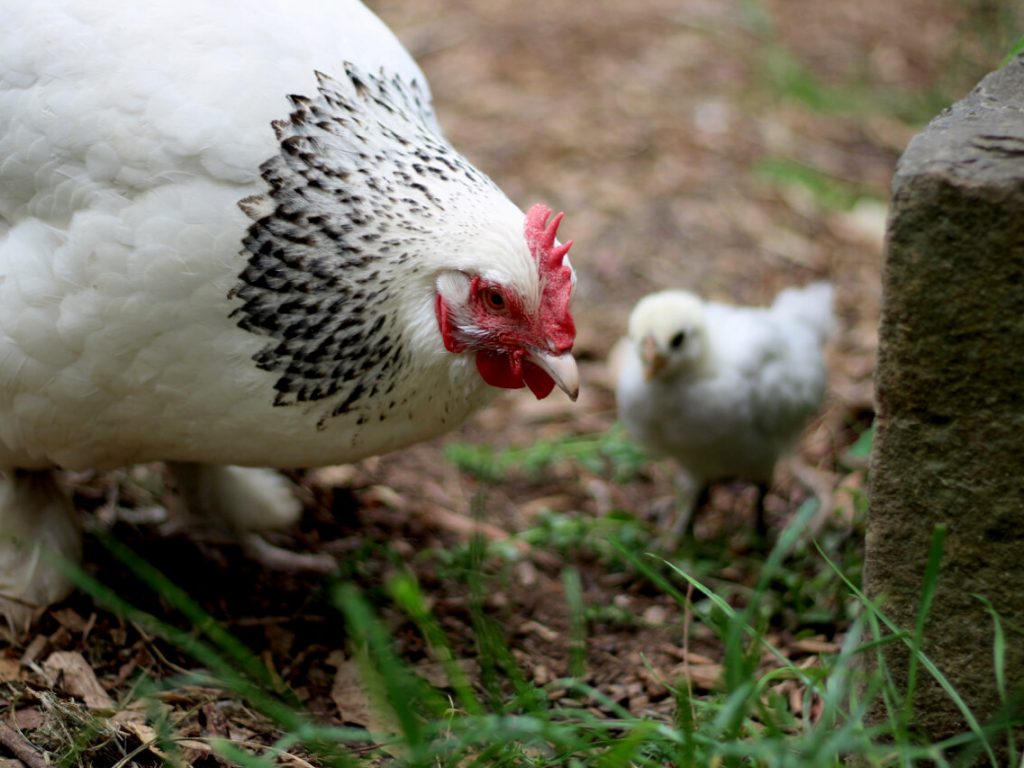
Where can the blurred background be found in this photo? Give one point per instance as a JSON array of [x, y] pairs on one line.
[[730, 148]]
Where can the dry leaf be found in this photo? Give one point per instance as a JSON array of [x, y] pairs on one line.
[[350, 698], [77, 678], [145, 734]]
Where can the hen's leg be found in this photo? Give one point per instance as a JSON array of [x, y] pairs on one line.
[[248, 500], [37, 528], [245, 498]]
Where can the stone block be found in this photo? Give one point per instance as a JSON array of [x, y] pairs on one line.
[[950, 394]]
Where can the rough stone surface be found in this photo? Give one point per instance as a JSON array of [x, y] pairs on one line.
[[950, 385]]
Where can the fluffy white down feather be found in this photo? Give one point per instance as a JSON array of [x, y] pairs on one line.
[[129, 134], [724, 390]]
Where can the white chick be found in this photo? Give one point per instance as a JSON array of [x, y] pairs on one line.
[[724, 390]]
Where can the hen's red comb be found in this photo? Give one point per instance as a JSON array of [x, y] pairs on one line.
[[556, 275], [541, 237]]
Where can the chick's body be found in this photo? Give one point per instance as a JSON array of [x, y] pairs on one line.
[[724, 390]]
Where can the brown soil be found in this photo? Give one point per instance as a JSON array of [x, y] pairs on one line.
[[646, 121]]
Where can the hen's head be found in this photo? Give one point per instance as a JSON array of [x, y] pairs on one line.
[[373, 226], [668, 332], [516, 322]]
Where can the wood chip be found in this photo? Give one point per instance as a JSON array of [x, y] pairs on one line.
[[70, 619], [35, 649], [684, 655], [704, 676], [10, 669], [813, 645], [526, 573], [796, 700], [655, 616], [532, 627], [541, 675]]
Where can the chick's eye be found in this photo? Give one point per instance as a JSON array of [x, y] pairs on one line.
[[493, 299], [677, 341]]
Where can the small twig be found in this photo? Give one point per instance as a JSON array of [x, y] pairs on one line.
[[21, 748]]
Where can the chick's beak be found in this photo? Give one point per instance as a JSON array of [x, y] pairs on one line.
[[651, 357], [561, 368]]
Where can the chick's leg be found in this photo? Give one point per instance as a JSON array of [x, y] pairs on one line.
[[691, 496], [38, 528], [760, 521]]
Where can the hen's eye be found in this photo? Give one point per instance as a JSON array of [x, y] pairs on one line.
[[494, 300], [677, 341]]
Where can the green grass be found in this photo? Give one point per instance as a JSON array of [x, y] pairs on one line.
[[1015, 50], [828, 191], [607, 452], [989, 28], [507, 720], [788, 79], [499, 716]]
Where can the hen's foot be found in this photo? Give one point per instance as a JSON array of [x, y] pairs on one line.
[[38, 529]]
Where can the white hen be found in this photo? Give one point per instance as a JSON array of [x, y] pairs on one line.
[[724, 390], [232, 233]]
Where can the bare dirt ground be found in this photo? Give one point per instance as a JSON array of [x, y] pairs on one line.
[[652, 124]]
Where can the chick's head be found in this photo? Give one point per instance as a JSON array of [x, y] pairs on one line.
[[668, 331]]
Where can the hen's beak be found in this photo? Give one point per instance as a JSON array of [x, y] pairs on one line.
[[561, 368], [651, 357]]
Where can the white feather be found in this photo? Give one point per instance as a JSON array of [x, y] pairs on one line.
[[737, 391]]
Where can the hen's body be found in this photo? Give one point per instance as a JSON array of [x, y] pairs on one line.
[[123, 161], [181, 280]]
